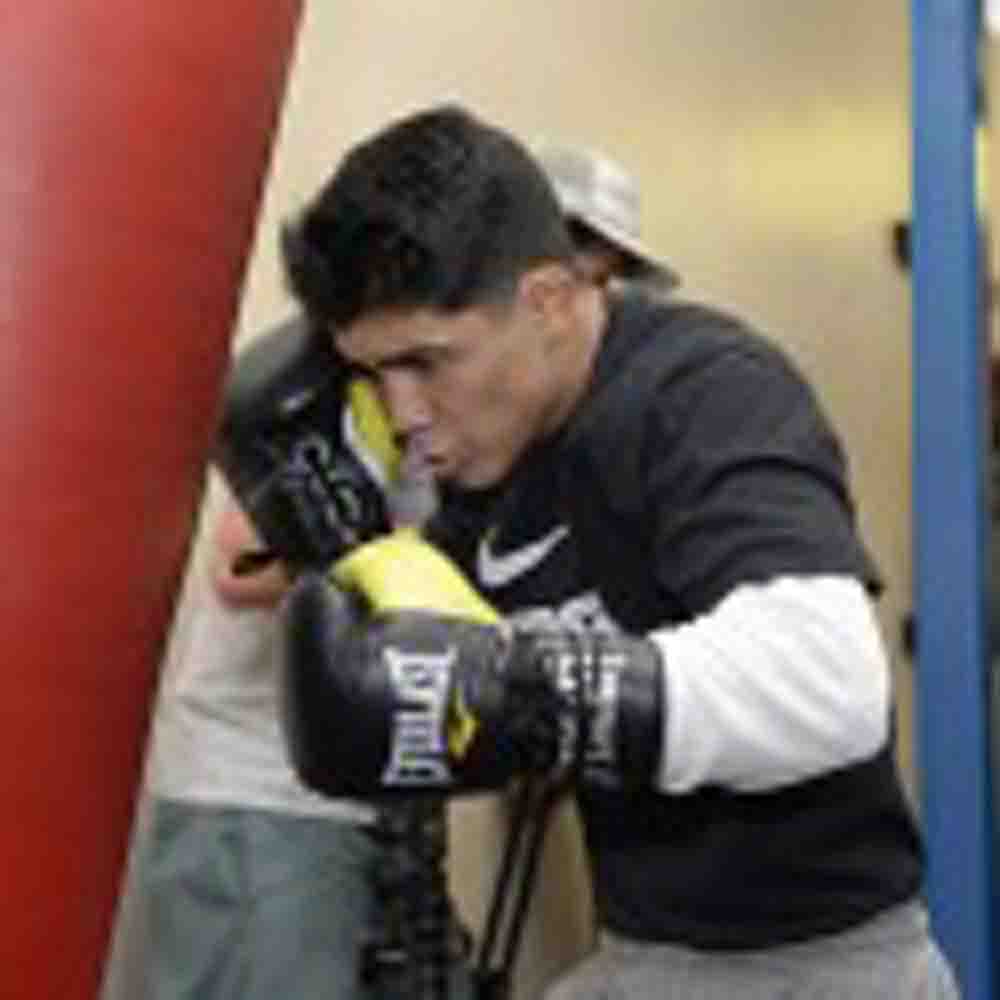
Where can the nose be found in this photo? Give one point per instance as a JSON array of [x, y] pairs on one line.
[[405, 400]]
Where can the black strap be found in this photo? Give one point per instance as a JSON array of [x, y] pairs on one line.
[[535, 801]]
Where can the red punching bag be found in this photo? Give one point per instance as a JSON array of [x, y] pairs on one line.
[[134, 139]]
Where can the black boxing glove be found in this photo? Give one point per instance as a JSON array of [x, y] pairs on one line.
[[304, 447], [401, 678]]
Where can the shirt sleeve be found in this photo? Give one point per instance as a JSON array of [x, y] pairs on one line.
[[779, 673], [779, 683], [745, 481]]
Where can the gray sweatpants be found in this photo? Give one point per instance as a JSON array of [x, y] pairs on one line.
[[889, 958]]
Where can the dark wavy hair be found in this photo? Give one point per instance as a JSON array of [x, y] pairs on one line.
[[438, 210]]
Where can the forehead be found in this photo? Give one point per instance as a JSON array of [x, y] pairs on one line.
[[385, 335]]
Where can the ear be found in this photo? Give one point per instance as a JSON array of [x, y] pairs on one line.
[[547, 292]]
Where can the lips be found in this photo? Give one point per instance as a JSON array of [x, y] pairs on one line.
[[426, 455], [420, 450]]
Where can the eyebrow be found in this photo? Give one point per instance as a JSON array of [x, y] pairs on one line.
[[413, 355]]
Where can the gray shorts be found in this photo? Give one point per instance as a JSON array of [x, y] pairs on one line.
[[249, 904], [889, 958]]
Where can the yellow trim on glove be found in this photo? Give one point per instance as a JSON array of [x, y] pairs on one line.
[[373, 426], [402, 571]]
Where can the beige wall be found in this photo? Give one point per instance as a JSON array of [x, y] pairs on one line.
[[771, 138]]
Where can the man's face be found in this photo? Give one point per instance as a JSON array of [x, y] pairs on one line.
[[475, 388]]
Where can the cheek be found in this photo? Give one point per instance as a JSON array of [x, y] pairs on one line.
[[475, 411], [506, 408], [494, 405]]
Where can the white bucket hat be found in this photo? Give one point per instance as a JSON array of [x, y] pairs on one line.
[[602, 195]]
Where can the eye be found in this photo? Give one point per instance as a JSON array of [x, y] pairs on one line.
[[421, 363], [424, 364]]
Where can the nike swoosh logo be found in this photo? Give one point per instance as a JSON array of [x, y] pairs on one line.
[[498, 570]]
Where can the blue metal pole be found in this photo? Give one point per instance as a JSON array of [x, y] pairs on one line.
[[949, 368]]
